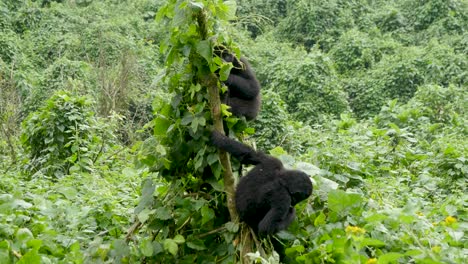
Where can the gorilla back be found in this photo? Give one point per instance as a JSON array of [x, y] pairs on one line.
[[243, 94], [266, 196]]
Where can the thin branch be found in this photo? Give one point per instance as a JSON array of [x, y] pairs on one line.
[[211, 82]]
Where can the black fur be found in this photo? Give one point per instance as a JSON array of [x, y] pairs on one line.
[[243, 94], [266, 196]]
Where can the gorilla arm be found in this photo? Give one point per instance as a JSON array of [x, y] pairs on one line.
[[280, 215], [242, 152]]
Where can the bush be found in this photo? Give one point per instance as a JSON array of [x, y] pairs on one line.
[[394, 77], [319, 22], [356, 51], [271, 124], [306, 81], [255, 15], [59, 135]]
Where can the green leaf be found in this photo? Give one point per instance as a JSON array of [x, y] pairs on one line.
[[194, 89], [187, 119], [231, 10], [372, 242], [196, 244], [163, 213], [32, 257], [389, 257], [232, 227], [226, 112], [249, 130], [145, 214], [376, 217], [24, 234], [278, 151], [146, 198], [225, 71], [413, 252], [196, 6], [320, 219], [129, 172], [340, 201], [180, 16], [207, 214], [34, 244], [146, 247], [204, 49], [171, 246], [212, 158], [179, 239], [202, 121], [161, 125], [69, 192]]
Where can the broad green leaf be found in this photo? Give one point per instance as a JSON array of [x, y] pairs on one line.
[[196, 6], [146, 247], [21, 203], [232, 227], [5, 255], [204, 49], [217, 185], [320, 219], [34, 244], [340, 201], [24, 234], [372, 242], [408, 219], [145, 215], [171, 246], [376, 217], [225, 71], [230, 12], [194, 89], [180, 15], [31, 257], [187, 119], [157, 248], [414, 252], [129, 172], [69, 192], [160, 126], [201, 121], [389, 257], [278, 151], [250, 130], [146, 195], [194, 125], [179, 239], [196, 244], [294, 249], [207, 214], [163, 213], [212, 158]]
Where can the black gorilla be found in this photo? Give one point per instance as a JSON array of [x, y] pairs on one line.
[[266, 196], [243, 94]]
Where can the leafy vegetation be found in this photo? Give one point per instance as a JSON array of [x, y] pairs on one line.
[[105, 115]]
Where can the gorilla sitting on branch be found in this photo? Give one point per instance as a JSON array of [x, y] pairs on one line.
[[266, 196]]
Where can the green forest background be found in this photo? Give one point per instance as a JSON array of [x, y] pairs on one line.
[[369, 97]]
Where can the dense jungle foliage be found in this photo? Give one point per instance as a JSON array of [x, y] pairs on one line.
[[105, 117]]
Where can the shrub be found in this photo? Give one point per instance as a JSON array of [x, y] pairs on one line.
[[60, 135], [394, 77], [306, 81], [355, 50]]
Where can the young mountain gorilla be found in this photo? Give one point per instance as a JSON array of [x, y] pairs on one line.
[[266, 196], [243, 94]]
